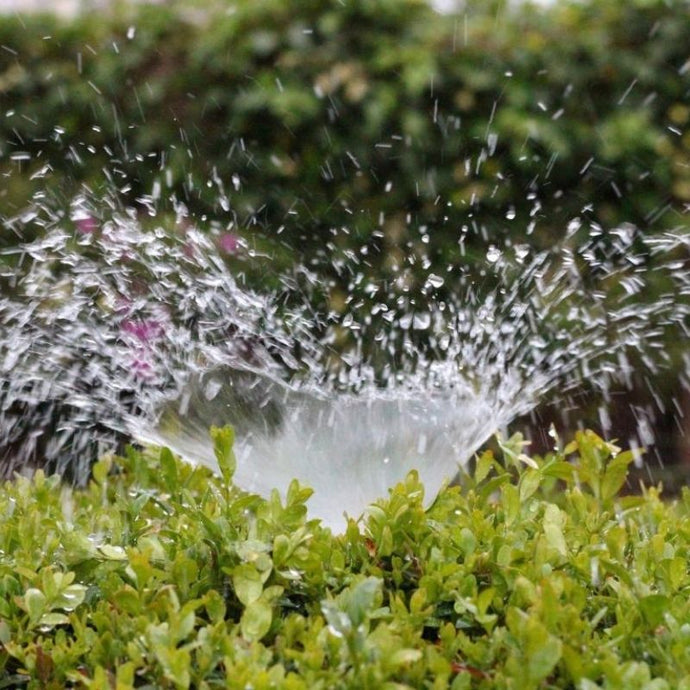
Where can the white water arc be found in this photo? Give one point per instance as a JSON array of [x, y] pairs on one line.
[[115, 330], [350, 448]]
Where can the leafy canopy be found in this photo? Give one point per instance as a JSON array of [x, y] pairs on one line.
[[536, 573]]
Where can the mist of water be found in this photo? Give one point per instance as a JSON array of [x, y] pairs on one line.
[[118, 329]]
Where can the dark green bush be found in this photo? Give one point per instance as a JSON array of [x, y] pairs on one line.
[[380, 138], [333, 115]]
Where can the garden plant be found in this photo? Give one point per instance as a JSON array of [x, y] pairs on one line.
[[534, 572]]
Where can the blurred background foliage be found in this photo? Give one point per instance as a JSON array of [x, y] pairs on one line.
[[339, 133]]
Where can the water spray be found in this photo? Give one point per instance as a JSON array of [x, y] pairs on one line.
[[118, 331]]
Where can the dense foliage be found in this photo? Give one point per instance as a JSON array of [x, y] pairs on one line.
[[318, 116], [538, 573]]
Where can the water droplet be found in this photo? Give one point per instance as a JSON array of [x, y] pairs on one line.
[[434, 280], [405, 321], [213, 387], [521, 252], [421, 321], [493, 254]]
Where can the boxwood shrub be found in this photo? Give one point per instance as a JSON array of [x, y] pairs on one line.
[[533, 572]]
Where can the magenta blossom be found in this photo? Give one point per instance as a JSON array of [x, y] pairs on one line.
[[229, 242], [142, 336], [86, 225], [144, 330], [141, 368]]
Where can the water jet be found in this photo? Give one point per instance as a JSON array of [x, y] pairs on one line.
[[123, 332]]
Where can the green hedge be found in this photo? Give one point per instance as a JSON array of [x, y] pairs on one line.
[[379, 134], [537, 574], [357, 114]]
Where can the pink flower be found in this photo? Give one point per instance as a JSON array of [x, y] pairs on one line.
[[141, 337], [145, 331], [141, 368], [86, 225], [229, 242]]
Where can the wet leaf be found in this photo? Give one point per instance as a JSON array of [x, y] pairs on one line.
[[113, 553], [510, 499], [615, 475], [485, 464], [223, 440], [361, 598], [35, 602], [529, 483], [256, 620], [247, 583], [49, 620], [169, 469], [653, 608]]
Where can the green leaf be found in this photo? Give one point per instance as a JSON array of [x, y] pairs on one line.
[[543, 652], [127, 600], [615, 475], [653, 608], [385, 544], [553, 522], [485, 463], [555, 539], [405, 657], [50, 620], [248, 583], [176, 663], [513, 450], [215, 606], [559, 469], [467, 541], [529, 483], [418, 600], [113, 553], [71, 597], [619, 570], [338, 621], [223, 440], [256, 620], [185, 571], [101, 469], [168, 469], [677, 572], [361, 599], [510, 499], [540, 650], [492, 485], [125, 675], [281, 549], [297, 494], [185, 624], [35, 602], [5, 633]]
